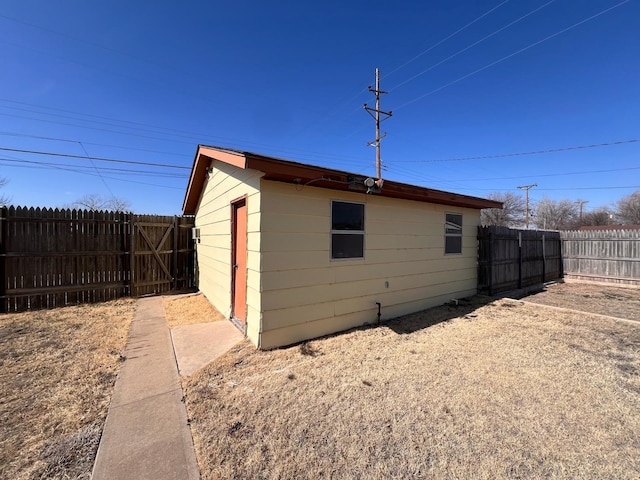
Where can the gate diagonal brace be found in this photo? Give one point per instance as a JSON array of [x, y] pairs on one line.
[[154, 250]]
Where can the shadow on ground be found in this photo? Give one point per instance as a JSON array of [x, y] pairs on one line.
[[427, 318]]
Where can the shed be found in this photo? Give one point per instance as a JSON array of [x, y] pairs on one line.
[[290, 251]]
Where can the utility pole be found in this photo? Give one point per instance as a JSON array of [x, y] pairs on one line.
[[527, 188], [375, 113], [581, 203]]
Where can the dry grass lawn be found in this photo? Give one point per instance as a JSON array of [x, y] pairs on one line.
[[57, 372], [189, 309], [498, 390], [621, 302]]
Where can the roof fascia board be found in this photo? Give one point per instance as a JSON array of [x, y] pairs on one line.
[[299, 173], [204, 156]]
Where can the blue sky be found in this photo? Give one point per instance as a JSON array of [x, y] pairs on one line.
[[148, 81]]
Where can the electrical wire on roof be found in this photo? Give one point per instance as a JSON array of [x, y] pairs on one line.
[[300, 186]]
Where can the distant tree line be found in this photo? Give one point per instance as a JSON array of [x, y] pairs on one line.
[[95, 202], [4, 199], [90, 201], [548, 214]]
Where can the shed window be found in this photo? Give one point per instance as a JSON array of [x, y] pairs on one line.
[[347, 230], [453, 233]]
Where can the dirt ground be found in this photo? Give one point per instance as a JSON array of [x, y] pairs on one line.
[[621, 302], [189, 309], [481, 390], [57, 373]]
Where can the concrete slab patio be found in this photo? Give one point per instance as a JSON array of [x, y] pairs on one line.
[[197, 345], [146, 435]]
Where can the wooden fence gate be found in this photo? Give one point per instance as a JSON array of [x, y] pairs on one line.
[[161, 254], [51, 258]]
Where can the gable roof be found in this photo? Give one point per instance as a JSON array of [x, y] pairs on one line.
[[303, 174]]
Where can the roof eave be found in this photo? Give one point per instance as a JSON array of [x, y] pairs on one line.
[[201, 162], [303, 174]]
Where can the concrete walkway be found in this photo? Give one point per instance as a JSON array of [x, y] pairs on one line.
[[146, 435]]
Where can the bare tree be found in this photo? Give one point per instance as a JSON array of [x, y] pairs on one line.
[[4, 199], [510, 215], [628, 209], [96, 202], [598, 217], [556, 214]]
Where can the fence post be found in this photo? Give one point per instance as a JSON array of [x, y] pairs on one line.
[[174, 267], [4, 226], [519, 259], [561, 249], [124, 247], [490, 266], [544, 260], [132, 248]]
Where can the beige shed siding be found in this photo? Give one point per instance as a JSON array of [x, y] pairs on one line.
[[227, 183], [305, 294]]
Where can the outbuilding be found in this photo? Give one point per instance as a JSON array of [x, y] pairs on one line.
[[290, 251]]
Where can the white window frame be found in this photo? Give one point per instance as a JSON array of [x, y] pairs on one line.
[[448, 234], [346, 232]]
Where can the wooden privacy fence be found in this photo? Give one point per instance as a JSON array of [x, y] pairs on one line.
[[51, 258], [510, 259], [604, 255]]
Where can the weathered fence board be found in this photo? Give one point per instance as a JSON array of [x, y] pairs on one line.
[[51, 258], [604, 255], [510, 259]]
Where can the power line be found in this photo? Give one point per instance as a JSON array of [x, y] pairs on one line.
[[430, 180], [154, 129], [518, 154], [53, 166], [197, 138], [587, 188], [101, 159], [516, 177], [99, 129], [112, 171], [98, 172], [100, 117], [88, 42], [555, 189], [440, 42], [334, 112], [489, 65], [472, 45], [55, 139]]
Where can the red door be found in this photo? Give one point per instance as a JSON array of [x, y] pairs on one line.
[[239, 259]]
